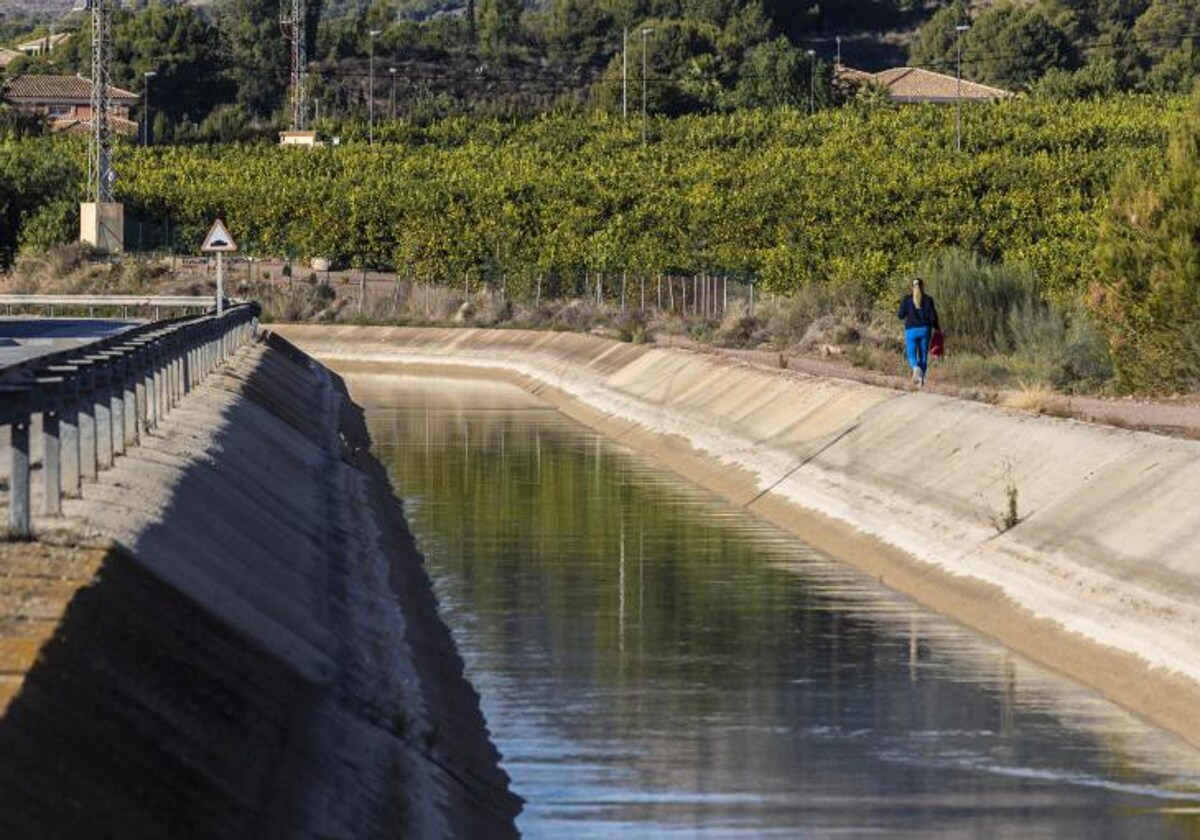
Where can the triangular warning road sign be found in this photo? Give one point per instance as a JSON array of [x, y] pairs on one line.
[[218, 239]]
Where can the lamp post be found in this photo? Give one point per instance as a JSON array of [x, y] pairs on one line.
[[812, 80], [392, 73], [147, 76], [958, 31], [371, 87], [646, 30]]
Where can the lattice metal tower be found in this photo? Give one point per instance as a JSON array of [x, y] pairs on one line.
[[100, 179], [294, 28]]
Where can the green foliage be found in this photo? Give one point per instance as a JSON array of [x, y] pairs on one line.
[[1146, 291], [52, 224], [256, 56], [1167, 54], [37, 176], [1101, 77], [935, 45], [846, 198], [499, 24], [17, 123], [176, 42], [1012, 45], [774, 74], [980, 302]]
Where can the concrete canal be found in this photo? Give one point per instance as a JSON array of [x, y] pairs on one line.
[[653, 661]]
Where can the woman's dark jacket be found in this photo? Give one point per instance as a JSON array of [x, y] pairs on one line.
[[925, 316]]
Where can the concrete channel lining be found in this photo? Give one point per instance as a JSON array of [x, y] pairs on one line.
[[1102, 562], [252, 648]]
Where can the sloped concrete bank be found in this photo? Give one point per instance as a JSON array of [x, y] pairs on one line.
[[232, 635], [1078, 545]]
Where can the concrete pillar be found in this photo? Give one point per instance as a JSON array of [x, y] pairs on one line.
[[51, 465]]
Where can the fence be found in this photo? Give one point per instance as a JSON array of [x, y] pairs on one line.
[[378, 295], [96, 400]]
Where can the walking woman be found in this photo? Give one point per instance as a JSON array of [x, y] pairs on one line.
[[920, 320]]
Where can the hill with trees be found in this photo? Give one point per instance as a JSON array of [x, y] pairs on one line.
[[223, 68]]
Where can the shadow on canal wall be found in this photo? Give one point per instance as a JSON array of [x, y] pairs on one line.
[[1069, 542], [232, 635]]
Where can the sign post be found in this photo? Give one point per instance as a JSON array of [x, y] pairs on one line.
[[219, 241]]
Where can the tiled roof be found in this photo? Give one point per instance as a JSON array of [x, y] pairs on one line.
[[119, 125], [36, 89], [850, 74], [915, 84]]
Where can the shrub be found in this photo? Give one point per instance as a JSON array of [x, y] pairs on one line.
[[631, 326], [1146, 292], [977, 299]]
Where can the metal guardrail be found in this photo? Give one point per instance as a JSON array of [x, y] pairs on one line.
[[124, 302], [98, 399]]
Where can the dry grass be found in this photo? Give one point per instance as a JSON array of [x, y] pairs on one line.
[[1036, 397]]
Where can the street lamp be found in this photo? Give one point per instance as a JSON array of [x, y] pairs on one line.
[[812, 79], [392, 73], [646, 30], [371, 86], [958, 31], [147, 76]]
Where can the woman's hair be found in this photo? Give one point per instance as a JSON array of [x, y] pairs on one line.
[[918, 291]]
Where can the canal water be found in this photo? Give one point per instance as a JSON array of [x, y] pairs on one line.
[[653, 662]]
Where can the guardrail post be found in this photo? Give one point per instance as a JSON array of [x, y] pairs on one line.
[[102, 414], [164, 376], [51, 464], [177, 350], [173, 368], [143, 391], [130, 384], [188, 368], [19, 521], [87, 434], [151, 388], [117, 401], [69, 439]]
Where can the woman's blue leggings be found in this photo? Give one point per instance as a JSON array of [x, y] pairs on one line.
[[916, 343]]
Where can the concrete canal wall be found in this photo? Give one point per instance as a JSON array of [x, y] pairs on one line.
[[231, 635], [1078, 545]]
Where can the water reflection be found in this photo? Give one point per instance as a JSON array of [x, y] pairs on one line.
[[653, 662]]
